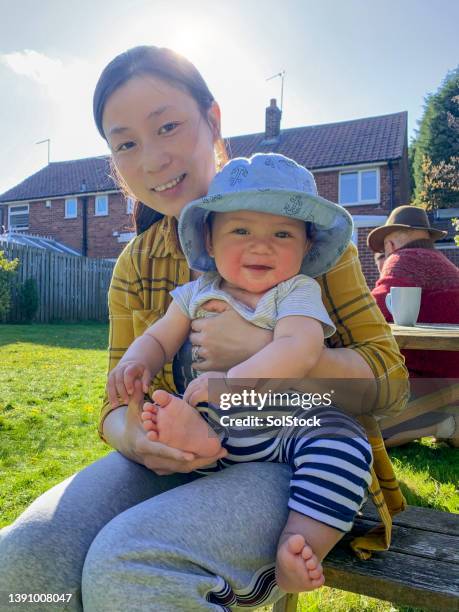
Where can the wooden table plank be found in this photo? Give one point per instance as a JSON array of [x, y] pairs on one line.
[[430, 337], [420, 569], [288, 603], [395, 577], [420, 518], [426, 543]]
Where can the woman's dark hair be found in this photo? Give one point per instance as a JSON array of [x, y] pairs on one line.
[[164, 64]]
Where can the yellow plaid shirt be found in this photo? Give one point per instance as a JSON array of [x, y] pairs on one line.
[[152, 264]]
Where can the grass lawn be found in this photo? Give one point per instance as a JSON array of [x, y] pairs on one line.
[[52, 379], [51, 387]]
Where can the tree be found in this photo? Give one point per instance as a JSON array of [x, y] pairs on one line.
[[440, 186], [411, 155], [437, 137], [455, 223]]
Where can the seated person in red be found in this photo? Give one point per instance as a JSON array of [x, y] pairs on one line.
[[411, 260]]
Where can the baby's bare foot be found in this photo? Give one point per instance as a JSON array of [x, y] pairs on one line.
[[172, 421], [297, 567]]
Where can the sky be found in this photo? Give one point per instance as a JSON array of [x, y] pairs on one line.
[[342, 60]]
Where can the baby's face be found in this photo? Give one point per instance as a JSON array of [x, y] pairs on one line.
[[255, 251]]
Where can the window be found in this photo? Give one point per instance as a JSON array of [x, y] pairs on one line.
[[446, 213], [71, 208], [359, 187], [129, 206], [126, 236], [101, 205], [18, 218]]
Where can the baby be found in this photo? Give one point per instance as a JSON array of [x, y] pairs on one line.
[[256, 234]]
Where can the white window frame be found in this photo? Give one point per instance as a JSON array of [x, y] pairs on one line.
[[130, 205], [359, 172], [97, 199], [446, 213], [12, 213], [366, 221], [66, 212], [126, 236]]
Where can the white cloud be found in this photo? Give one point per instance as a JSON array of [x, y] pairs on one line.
[[64, 112], [58, 80], [38, 67]]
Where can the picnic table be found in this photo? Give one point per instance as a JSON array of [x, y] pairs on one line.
[[427, 336]]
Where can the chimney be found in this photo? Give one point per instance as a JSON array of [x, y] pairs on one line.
[[273, 119]]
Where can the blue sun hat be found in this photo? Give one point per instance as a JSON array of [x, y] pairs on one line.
[[268, 183]]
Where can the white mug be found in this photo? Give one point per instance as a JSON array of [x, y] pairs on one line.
[[404, 303]]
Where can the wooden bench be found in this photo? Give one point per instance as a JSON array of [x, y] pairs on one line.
[[421, 568]]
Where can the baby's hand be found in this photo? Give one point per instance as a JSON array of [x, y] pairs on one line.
[[120, 384], [198, 389]]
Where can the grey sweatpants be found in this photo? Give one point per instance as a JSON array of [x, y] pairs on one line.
[[121, 539]]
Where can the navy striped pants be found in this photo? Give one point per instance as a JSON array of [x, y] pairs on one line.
[[331, 462]]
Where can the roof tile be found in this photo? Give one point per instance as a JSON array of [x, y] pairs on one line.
[[336, 144], [65, 178]]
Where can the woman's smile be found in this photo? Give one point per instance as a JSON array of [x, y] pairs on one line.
[[169, 186]]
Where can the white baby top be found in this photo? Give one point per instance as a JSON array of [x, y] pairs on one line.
[[299, 295]]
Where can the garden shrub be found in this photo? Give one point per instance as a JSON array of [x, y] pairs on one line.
[[28, 300], [7, 273]]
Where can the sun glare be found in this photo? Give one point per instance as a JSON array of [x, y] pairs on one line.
[[189, 41], [192, 35]]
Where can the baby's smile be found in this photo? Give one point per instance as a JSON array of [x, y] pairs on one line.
[[258, 267]]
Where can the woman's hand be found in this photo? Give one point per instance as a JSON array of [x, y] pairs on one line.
[[225, 339], [123, 430]]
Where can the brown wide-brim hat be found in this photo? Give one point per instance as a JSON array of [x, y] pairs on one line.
[[402, 217]]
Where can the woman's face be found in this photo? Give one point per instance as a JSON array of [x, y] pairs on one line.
[[161, 144]]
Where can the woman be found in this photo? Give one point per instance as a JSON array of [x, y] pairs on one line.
[[208, 545]]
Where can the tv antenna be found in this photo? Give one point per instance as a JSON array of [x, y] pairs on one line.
[[48, 140], [280, 74]]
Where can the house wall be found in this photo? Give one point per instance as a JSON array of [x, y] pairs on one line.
[[101, 242], [366, 257], [452, 254], [51, 222], [3, 216], [405, 179]]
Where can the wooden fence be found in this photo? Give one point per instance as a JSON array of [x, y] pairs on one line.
[[70, 288]]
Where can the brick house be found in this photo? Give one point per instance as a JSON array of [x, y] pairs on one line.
[[361, 164], [75, 202]]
